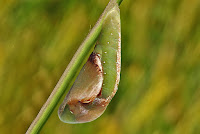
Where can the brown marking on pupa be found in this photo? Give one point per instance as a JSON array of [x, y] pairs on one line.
[[100, 93], [95, 59], [77, 105]]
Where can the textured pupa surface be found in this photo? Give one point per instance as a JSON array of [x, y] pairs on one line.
[[98, 80]]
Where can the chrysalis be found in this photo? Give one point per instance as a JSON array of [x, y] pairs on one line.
[[98, 80]]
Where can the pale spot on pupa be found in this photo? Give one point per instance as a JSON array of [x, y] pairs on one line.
[[108, 42], [105, 52], [111, 34]]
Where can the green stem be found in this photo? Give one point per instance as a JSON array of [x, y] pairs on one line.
[[119, 2], [67, 77]]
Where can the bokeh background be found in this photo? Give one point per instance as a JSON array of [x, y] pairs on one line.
[[159, 91]]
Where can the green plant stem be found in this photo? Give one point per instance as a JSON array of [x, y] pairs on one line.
[[119, 2], [67, 77]]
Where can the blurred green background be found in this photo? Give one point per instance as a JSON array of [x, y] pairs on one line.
[[159, 91]]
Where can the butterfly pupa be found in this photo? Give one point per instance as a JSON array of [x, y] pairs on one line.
[[98, 80]]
